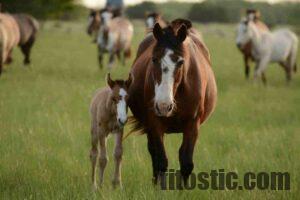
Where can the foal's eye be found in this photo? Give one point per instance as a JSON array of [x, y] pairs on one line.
[[180, 63]]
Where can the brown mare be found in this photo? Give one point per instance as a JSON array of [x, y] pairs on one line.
[[247, 49], [174, 90], [151, 18]]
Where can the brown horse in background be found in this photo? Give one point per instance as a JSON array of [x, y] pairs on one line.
[[9, 38], [151, 18], [18, 29], [28, 27], [247, 49], [173, 91]]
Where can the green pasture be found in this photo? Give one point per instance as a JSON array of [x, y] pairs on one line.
[[45, 123]]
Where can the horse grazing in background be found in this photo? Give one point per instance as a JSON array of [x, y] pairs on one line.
[[114, 37], [174, 90], [280, 46], [247, 48], [152, 18], [9, 38], [28, 27], [109, 115]]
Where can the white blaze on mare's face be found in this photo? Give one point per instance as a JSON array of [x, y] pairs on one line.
[[150, 22], [121, 107], [164, 90]]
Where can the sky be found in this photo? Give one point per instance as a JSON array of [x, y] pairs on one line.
[[100, 3]]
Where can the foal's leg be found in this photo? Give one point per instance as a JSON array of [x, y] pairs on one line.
[[158, 155], [186, 150], [94, 153], [118, 159], [103, 157]]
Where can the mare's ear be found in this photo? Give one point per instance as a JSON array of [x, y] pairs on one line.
[[181, 33], [110, 82], [129, 80], [157, 32]]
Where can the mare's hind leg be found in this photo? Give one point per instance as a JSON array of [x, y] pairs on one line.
[[94, 154], [118, 152], [102, 158], [186, 150], [26, 49]]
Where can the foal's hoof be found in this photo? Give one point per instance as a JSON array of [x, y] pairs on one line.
[[116, 184], [95, 187]]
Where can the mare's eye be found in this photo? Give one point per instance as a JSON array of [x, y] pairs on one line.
[[155, 60]]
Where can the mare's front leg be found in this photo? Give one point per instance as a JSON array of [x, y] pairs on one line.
[[118, 152], [186, 150], [157, 151]]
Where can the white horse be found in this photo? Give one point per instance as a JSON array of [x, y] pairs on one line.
[[279, 46]]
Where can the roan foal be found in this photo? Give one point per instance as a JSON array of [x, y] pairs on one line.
[[109, 115]]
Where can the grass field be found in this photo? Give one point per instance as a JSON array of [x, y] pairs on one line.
[[45, 124]]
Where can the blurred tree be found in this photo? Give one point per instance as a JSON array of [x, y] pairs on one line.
[[39, 8]]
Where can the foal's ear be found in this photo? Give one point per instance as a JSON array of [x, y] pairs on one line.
[[181, 33], [110, 82], [129, 80], [157, 32]]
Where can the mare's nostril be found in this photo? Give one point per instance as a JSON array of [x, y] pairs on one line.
[[157, 108], [170, 107]]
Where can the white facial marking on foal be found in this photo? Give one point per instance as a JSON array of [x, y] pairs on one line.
[[121, 106], [150, 22], [164, 90]]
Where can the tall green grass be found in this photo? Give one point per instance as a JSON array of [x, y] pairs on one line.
[[45, 124]]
